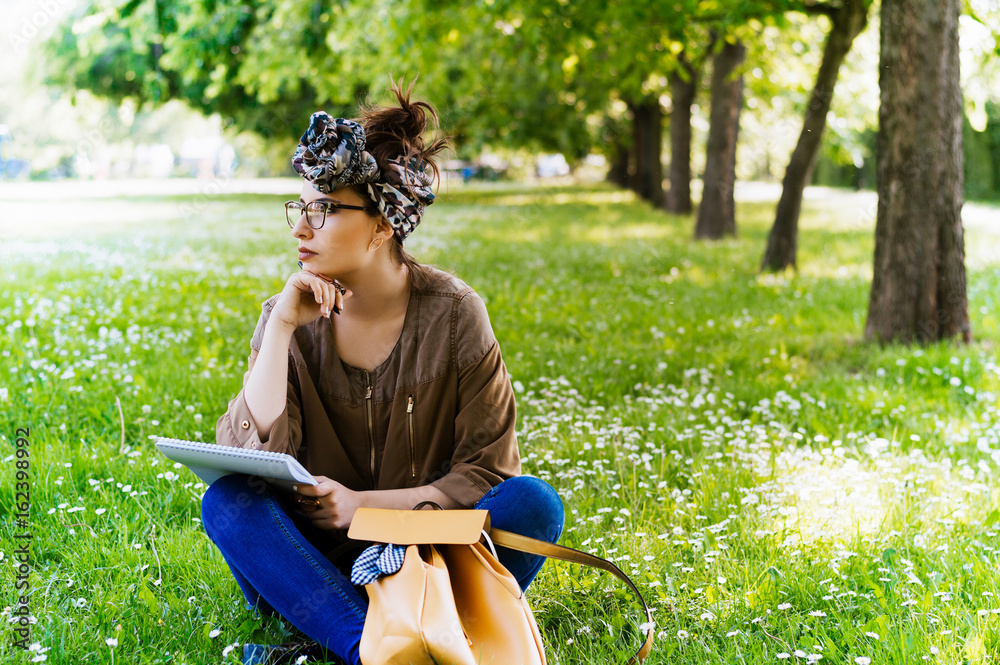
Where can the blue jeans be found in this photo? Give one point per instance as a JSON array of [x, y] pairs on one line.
[[274, 552]]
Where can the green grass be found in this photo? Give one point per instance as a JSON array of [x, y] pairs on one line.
[[770, 481]]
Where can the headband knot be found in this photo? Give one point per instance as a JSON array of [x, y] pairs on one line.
[[331, 154]]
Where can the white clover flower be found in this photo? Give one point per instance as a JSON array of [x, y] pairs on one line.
[[785, 606], [111, 642]]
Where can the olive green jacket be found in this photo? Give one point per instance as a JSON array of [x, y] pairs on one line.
[[438, 411]]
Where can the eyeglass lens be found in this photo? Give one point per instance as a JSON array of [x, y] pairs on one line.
[[315, 213]]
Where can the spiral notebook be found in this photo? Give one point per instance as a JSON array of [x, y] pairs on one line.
[[210, 461]]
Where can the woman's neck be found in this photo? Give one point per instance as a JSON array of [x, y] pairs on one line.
[[378, 293]]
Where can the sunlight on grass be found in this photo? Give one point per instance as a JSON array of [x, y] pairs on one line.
[[618, 233]]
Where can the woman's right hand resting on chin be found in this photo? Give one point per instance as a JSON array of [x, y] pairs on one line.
[[306, 297]]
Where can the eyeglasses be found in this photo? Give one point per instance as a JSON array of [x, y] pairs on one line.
[[315, 212]]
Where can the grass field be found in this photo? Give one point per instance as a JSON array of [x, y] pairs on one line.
[[780, 490]]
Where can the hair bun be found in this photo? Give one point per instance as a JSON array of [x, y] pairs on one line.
[[395, 133]]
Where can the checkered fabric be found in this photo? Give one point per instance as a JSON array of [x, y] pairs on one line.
[[376, 561]]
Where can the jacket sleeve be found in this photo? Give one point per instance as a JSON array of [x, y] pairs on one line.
[[485, 451], [237, 428]]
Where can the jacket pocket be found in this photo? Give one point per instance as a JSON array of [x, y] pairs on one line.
[[413, 446]]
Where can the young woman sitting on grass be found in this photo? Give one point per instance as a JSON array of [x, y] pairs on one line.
[[381, 375]]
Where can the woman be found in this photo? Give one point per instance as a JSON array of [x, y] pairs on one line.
[[381, 375]]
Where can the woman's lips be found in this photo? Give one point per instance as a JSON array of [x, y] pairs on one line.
[[305, 255]]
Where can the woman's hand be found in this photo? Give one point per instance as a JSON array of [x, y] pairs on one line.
[[337, 504], [306, 297]]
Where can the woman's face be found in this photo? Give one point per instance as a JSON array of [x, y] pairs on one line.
[[341, 245]]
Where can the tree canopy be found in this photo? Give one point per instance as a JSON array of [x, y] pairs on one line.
[[547, 75]]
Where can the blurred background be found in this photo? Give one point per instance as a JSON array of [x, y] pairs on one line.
[[112, 89]]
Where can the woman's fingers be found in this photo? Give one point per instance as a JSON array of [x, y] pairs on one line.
[[322, 294], [338, 299], [317, 289], [342, 294], [330, 299], [328, 295], [322, 487]]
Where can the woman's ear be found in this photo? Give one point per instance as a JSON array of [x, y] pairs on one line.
[[383, 229]]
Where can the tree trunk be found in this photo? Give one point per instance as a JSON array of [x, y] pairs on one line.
[[918, 291], [683, 85], [647, 123], [717, 212], [618, 173], [848, 22]]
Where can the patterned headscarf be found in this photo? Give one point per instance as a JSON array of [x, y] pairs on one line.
[[331, 154]]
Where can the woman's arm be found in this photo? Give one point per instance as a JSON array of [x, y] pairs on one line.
[[263, 416], [265, 391], [407, 498], [237, 427], [337, 504]]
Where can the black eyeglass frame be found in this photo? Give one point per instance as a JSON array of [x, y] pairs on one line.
[[304, 208]]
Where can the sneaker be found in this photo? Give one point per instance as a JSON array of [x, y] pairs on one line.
[[288, 653]]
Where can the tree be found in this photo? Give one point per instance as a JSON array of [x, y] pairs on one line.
[[919, 290], [848, 20], [647, 125], [683, 86], [717, 212], [221, 59]]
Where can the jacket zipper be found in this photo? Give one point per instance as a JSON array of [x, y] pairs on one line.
[[371, 426], [409, 419]]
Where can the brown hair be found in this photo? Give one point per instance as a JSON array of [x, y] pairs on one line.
[[394, 132]]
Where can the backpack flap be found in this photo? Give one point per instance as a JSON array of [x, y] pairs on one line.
[[419, 527]]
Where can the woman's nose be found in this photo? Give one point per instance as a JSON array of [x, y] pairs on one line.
[[302, 228]]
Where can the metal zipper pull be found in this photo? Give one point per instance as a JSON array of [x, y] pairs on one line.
[[371, 425], [409, 420]]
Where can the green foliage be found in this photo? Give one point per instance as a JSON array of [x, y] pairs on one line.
[[982, 160], [769, 481], [541, 75], [228, 59], [982, 156]]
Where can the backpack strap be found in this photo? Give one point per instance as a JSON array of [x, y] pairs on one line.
[[521, 543]]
